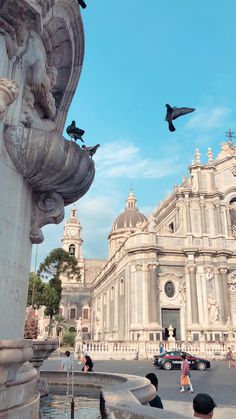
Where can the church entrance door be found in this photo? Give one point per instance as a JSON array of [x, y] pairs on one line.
[[170, 316]]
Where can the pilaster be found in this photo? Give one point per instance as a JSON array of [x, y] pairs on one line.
[[223, 269], [153, 294], [193, 293]]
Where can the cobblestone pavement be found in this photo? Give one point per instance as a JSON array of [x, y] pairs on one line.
[[219, 381]]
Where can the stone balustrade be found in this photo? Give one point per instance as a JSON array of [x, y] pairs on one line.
[[145, 350]]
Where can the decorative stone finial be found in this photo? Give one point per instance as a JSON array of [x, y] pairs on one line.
[[210, 155], [197, 156]]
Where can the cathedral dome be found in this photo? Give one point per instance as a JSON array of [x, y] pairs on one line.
[[131, 215]]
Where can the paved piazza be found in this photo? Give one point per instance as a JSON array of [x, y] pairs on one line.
[[219, 382]]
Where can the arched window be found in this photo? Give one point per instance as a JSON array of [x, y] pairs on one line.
[[85, 330], [72, 330], [85, 313], [72, 250], [72, 313]]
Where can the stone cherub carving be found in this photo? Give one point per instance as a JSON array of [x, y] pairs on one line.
[[213, 309], [39, 106], [8, 93]]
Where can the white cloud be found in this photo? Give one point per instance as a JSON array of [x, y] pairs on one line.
[[208, 118], [121, 159]]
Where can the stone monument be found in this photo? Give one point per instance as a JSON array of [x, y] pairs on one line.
[[42, 48]]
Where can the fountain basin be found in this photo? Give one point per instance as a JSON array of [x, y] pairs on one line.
[[125, 395]]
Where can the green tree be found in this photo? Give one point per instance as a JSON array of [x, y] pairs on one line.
[[35, 291], [50, 300], [68, 339], [58, 262]]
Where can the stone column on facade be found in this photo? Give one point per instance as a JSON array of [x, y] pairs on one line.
[[228, 220], [188, 217], [193, 293], [218, 217], [225, 293], [202, 212], [116, 306], [212, 180], [153, 294]]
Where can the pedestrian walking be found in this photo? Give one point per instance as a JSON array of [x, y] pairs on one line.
[[229, 357], [185, 375], [161, 348]]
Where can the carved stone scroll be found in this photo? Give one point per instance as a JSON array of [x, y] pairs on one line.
[[48, 208]]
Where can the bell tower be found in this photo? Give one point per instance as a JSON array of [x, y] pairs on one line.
[[72, 241]]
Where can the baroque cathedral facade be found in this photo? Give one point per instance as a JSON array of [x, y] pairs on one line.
[[177, 267]]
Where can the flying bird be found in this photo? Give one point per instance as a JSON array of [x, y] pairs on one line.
[[91, 150], [75, 132], [173, 113], [82, 4]]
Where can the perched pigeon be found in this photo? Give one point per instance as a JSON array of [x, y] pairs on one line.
[[75, 132], [173, 113], [91, 150], [82, 4]]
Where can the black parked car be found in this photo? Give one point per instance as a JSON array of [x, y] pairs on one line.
[[172, 360]]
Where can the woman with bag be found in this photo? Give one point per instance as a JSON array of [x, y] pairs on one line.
[[185, 375]]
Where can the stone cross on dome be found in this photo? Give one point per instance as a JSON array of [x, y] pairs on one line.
[[230, 134]]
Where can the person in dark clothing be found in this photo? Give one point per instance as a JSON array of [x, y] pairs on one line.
[[88, 364], [156, 402]]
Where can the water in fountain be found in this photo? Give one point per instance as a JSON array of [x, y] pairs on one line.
[[53, 406]]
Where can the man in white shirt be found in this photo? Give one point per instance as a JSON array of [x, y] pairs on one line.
[[66, 364]]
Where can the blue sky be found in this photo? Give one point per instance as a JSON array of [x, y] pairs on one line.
[[140, 55]]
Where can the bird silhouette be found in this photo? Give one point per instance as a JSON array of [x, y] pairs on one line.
[[91, 150], [173, 113], [75, 132], [82, 4]]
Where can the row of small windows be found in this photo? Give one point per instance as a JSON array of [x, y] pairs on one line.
[[73, 313], [112, 292]]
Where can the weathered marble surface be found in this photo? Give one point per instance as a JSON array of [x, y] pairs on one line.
[[42, 49]]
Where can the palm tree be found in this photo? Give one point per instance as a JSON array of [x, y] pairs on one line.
[[60, 324]]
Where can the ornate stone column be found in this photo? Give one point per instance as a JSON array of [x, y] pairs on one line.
[[228, 220], [202, 212], [188, 217], [218, 222], [193, 293], [225, 293], [153, 294]]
